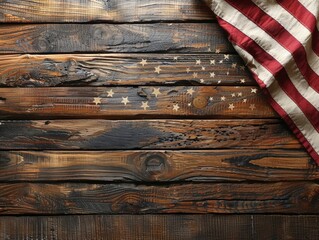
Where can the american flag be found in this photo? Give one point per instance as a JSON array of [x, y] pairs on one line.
[[279, 41]]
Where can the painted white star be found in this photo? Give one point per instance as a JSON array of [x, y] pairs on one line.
[[219, 82], [233, 95], [212, 74], [244, 100], [143, 62], [242, 67], [125, 100], [175, 107], [217, 50], [211, 99], [156, 92], [227, 73], [198, 62], [202, 80], [188, 70], [239, 94], [226, 56], [175, 58], [158, 69], [203, 68], [189, 104], [212, 62], [254, 90], [221, 61], [209, 49], [242, 80], [231, 106], [195, 74], [110, 93], [252, 106], [97, 100], [190, 91], [234, 65], [145, 105], [223, 98]]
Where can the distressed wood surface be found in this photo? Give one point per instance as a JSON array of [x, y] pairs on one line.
[[145, 134], [174, 227], [103, 10], [124, 198], [69, 38], [157, 166], [134, 102], [122, 69]]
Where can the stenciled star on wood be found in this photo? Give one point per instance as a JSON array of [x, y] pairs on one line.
[[156, 92], [143, 62], [198, 62], [110, 93], [190, 91], [254, 90], [212, 62], [97, 100], [226, 56], [223, 98], [242, 80], [158, 69], [252, 106], [125, 100], [145, 105], [175, 107], [231, 106], [212, 74]]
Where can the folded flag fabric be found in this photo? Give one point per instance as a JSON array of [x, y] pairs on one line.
[[279, 42]]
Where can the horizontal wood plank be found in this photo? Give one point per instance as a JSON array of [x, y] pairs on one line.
[[134, 102], [101, 10], [69, 38], [158, 166], [174, 227], [122, 69], [145, 134], [80, 198]]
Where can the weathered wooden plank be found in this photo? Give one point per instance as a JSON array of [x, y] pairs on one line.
[[145, 134], [159, 37], [122, 69], [101, 10], [134, 102], [80, 198], [158, 166], [174, 227]]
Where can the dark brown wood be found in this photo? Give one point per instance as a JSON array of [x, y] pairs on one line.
[[121, 69], [145, 134], [158, 166], [80, 198], [134, 102], [174, 227], [101, 10], [68, 38]]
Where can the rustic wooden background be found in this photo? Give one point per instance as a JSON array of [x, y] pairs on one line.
[[137, 120]]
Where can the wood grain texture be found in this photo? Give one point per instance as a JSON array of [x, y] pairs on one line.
[[174, 227], [158, 166], [103, 10], [228, 198], [121, 69], [145, 134], [69, 38], [134, 102]]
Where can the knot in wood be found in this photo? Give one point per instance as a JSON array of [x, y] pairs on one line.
[[154, 164], [200, 102]]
